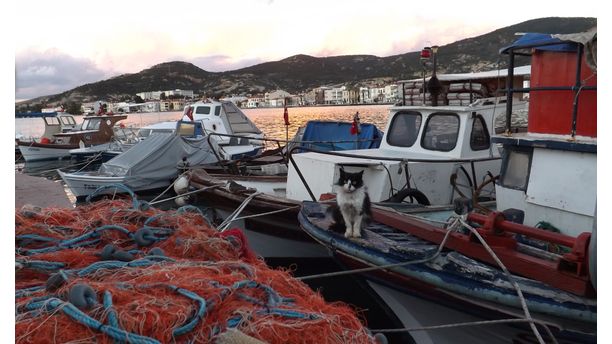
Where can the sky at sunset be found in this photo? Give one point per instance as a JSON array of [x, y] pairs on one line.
[[66, 44]]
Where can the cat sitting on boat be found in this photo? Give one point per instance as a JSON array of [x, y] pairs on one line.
[[354, 208]]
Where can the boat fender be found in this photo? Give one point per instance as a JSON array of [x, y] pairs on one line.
[[55, 281], [182, 201], [414, 193], [82, 296], [380, 338], [144, 237], [156, 251], [181, 185]]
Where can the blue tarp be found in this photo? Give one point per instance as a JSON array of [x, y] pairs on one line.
[[540, 41], [328, 131]]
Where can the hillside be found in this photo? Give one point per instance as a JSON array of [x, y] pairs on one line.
[[302, 72]]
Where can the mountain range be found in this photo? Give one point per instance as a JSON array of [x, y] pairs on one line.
[[303, 72]]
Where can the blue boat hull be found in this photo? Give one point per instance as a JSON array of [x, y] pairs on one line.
[[451, 278]]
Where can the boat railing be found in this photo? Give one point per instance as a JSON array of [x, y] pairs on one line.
[[404, 161], [510, 90]]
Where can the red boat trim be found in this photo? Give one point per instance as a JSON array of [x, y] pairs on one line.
[[566, 274]]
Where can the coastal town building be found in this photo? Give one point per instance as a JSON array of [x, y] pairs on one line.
[[157, 95]]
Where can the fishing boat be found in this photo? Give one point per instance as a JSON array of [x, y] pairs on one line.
[[151, 164], [60, 136], [427, 156], [532, 260]]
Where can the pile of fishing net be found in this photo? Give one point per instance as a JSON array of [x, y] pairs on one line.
[[120, 271]]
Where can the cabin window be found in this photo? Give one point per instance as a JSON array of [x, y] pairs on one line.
[[91, 124], [515, 168], [51, 120], [68, 120], [217, 110], [203, 110], [441, 132], [404, 129], [479, 138]]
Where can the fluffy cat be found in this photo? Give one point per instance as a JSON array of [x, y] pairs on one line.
[[354, 208]]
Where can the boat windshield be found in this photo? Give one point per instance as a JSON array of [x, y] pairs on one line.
[[68, 120], [91, 124], [51, 121], [404, 129], [441, 132], [203, 110]]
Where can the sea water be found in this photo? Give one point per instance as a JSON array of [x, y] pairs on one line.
[[268, 120]]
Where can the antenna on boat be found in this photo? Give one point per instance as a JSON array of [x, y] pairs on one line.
[[433, 86]]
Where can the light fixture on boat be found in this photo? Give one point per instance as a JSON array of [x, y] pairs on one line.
[[426, 53]]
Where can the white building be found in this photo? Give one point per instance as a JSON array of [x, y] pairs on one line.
[[156, 95], [391, 93], [335, 95], [276, 98], [255, 102]]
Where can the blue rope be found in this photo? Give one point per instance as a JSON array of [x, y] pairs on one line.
[[114, 332], [107, 302], [100, 190], [273, 298], [41, 265], [81, 240], [191, 324], [35, 237], [19, 293]]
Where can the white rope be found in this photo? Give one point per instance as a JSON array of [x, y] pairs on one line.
[[465, 324], [185, 194], [232, 217], [266, 213], [168, 188], [510, 278]]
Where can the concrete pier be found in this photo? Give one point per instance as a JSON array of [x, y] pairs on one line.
[[40, 191]]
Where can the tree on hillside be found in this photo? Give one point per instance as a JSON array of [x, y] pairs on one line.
[[138, 100], [162, 96], [73, 108]]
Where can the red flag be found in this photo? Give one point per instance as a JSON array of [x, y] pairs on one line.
[[356, 127], [190, 113], [286, 116]]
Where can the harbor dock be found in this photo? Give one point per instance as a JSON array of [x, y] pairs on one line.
[[40, 192]]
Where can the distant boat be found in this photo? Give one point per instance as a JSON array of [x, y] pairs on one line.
[[61, 135], [150, 164]]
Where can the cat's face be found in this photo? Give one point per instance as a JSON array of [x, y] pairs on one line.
[[349, 182]]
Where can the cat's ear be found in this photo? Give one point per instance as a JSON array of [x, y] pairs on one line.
[[342, 172], [361, 173]]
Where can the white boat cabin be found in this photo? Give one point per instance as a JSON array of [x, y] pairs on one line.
[[221, 117], [60, 123], [426, 147], [233, 131], [549, 173]]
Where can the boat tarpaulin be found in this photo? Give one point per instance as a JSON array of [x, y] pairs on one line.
[[323, 133], [552, 42], [157, 158]]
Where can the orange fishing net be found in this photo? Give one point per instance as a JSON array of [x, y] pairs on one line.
[[112, 271]]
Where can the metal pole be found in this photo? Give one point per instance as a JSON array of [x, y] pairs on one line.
[[509, 94], [577, 90]]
